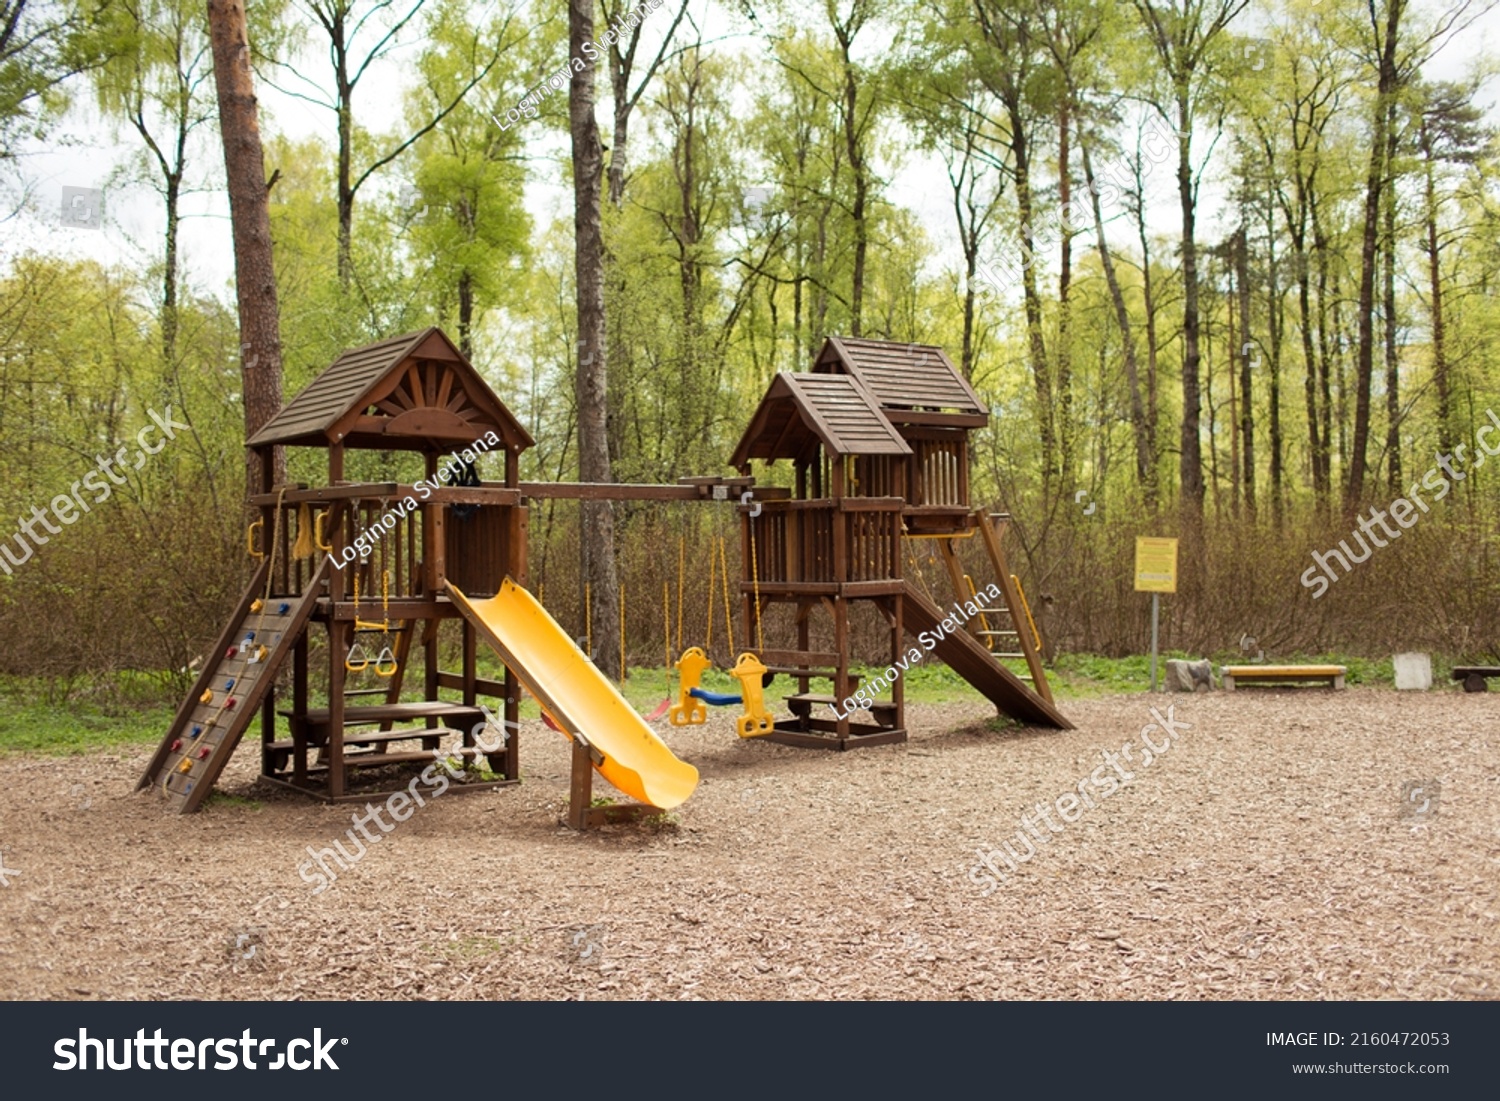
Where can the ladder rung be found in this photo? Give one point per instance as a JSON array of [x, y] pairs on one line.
[[1016, 633], [366, 692], [1010, 655]]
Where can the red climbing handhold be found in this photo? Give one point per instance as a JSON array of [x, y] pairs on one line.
[[229, 704], [231, 652], [176, 745], [203, 753]]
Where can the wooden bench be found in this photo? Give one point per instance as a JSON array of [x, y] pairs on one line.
[[1475, 676], [1236, 675], [315, 725]]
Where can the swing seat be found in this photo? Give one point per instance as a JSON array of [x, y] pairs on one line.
[[690, 710], [756, 720], [715, 699]]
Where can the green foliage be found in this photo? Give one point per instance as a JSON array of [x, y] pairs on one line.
[[41, 718]]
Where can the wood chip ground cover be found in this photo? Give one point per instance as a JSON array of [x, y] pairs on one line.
[[1267, 854]]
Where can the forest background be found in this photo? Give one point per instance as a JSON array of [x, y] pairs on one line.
[[1221, 271]]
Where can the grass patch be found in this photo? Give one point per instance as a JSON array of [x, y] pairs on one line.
[[77, 726], [223, 799]]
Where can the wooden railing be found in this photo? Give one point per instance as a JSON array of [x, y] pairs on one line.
[[942, 476], [396, 551], [828, 541]]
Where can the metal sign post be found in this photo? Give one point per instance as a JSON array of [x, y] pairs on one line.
[[1155, 573]]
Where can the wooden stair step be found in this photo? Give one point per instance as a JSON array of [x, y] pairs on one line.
[[798, 671], [817, 698], [365, 760], [380, 712], [382, 737]]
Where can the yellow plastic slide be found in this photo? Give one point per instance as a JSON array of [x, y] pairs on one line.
[[577, 695]]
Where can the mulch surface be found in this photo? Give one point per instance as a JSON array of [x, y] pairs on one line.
[[1274, 851]]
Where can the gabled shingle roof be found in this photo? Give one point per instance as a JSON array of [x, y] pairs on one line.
[[902, 376], [834, 409], [332, 409]]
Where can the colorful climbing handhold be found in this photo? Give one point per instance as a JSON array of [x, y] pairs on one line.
[[197, 730], [229, 704], [285, 607], [186, 766], [230, 652], [257, 605], [229, 684], [203, 753], [176, 744], [207, 697]]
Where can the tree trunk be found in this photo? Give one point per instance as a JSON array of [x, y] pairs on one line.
[[1392, 357], [169, 275], [1145, 466], [858, 166], [1153, 340], [1276, 328], [250, 218], [345, 107], [1248, 359], [1440, 380], [1192, 456], [1064, 310], [1364, 365], [591, 389], [1327, 337], [1036, 345]]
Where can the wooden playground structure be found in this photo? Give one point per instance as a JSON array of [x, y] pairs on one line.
[[877, 435]]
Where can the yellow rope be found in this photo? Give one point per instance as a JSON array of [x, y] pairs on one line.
[[681, 571], [303, 548], [724, 573], [708, 643]]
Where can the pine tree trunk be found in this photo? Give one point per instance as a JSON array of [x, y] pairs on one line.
[[250, 217]]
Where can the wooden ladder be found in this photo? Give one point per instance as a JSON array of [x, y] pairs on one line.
[[1006, 630]]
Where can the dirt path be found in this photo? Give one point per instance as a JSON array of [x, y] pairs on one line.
[[1264, 854]]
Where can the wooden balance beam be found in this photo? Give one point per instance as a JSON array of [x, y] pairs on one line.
[[1331, 675]]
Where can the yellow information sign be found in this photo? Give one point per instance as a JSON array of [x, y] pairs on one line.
[[1155, 564]]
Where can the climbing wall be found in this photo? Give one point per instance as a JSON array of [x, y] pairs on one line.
[[237, 674]]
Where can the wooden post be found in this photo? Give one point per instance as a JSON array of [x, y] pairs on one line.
[[956, 576], [898, 691], [580, 786], [338, 648], [299, 709], [842, 689]]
